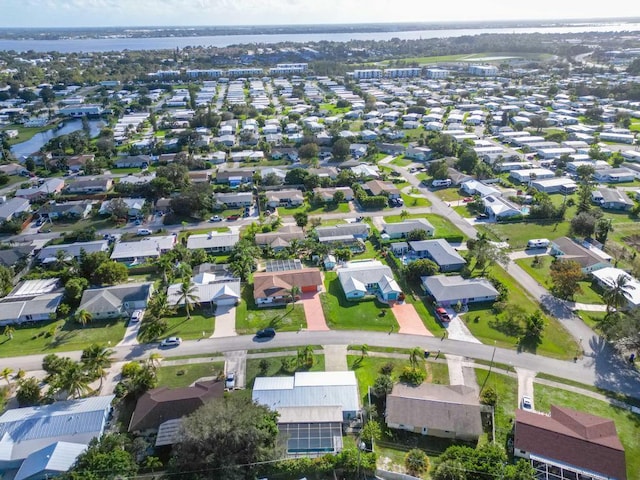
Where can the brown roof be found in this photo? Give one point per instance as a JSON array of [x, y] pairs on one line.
[[453, 408], [572, 437], [161, 404], [286, 233], [378, 187], [574, 251], [275, 284]]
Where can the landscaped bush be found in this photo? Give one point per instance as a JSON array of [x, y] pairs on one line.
[[413, 376]]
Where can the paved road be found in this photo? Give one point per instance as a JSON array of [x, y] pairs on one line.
[[600, 369]]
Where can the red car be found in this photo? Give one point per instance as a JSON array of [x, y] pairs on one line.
[[442, 314], [233, 217], [467, 199]]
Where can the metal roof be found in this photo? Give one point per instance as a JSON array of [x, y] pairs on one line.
[[29, 288], [57, 457]]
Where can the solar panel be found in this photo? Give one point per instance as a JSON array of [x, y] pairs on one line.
[[284, 265]]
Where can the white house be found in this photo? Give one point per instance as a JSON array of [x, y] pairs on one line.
[[359, 279]]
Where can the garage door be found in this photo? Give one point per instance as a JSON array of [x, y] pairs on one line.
[[309, 288]]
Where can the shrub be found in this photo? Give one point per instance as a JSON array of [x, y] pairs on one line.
[[416, 462], [130, 369], [489, 397], [413, 376], [387, 368]]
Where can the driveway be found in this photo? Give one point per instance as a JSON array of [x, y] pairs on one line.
[[525, 384], [457, 330], [225, 321], [131, 333], [236, 361], [313, 312], [409, 320]]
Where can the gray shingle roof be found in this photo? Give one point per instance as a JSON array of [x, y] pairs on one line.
[[440, 250], [453, 288]]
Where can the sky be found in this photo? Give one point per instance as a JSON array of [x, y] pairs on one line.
[[97, 13]]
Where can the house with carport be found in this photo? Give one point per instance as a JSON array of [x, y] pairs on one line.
[[447, 290]]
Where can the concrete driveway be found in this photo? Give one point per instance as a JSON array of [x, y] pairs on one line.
[[525, 384], [131, 333], [236, 361], [225, 321]]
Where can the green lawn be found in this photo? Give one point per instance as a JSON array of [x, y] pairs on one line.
[[411, 201], [69, 336], [314, 210], [250, 318], [451, 194], [627, 423], [543, 276], [507, 389], [464, 211], [401, 161], [178, 376], [26, 133], [202, 320], [518, 234], [443, 226], [488, 328], [126, 171], [97, 222], [592, 319], [343, 314], [369, 252]]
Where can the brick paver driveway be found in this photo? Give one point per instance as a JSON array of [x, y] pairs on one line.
[[409, 320], [313, 311]]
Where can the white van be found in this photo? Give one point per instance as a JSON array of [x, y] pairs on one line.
[[538, 243], [144, 231], [441, 183]]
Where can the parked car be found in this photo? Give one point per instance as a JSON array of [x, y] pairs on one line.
[[136, 316], [233, 217], [442, 314], [230, 381], [215, 218], [526, 403], [266, 333], [144, 231], [171, 342], [467, 199], [482, 216]]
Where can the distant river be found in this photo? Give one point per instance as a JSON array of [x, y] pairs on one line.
[[119, 44], [26, 148]]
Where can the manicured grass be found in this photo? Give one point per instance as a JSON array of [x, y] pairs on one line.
[[627, 423], [178, 376], [202, 320], [401, 161], [125, 171], [485, 325], [25, 133], [369, 252], [250, 318], [542, 274], [449, 194], [69, 336], [99, 223], [592, 319], [411, 201], [464, 211], [507, 389], [518, 234], [343, 314], [443, 226]]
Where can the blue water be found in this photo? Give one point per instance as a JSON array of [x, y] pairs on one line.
[[525, 210], [152, 43], [35, 143]]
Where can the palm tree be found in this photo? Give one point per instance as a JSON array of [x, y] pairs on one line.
[[187, 295], [74, 380], [404, 214], [616, 296], [414, 356], [6, 373], [164, 263], [83, 317], [97, 360], [154, 360], [364, 351], [159, 305], [294, 292], [9, 330]]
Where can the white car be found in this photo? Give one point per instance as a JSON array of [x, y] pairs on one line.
[[230, 381], [136, 316], [526, 403], [171, 342]]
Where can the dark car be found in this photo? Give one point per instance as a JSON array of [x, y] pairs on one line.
[[233, 217], [266, 333]]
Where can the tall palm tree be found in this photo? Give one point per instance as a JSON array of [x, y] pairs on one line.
[[154, 360], [74, 380], [159, 305], [97, 361], [615, 297], [414, 356], [83, 317], [294, 292], [6, 373], [187, 295], [364, 351], [9, 330]]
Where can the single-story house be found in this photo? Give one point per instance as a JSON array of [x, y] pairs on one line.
[[420, 154], [370, 277], [562, 185], [214, 288], [71, 250], [588, 256], [134, 253], [135, 206], [17, 310], [614, 175], [234, 177], [364, 170], [274, 288], [446, 411], [74, 209], [310, 389], [475, 187], [116, 301], [90, 185], [607, 278], [349, 235], [10, 257], [612, 198], [281, 238], [569, 444], [377, 187], [48, 188], [161, 404], [45, 440], [284, 198], [234, 199], [449, 290], [499, 207], [327, 194], [201, 176], [526, 175], [439, 251], [133, 161], [402, 229], [213, 242], [13, 207]]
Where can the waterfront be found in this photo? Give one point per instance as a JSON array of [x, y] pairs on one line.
[[153, 43], [23, 149]]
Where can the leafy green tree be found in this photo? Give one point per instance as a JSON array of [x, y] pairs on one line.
[[584, 224], [534, 325], [229, 436], [89, 263], [416, 462], [110, 273], [242, 260], [107, 457], [340, 149], [615, 296], [338, 197], [565, 275], [152, 328], [301, 219], [489, 396], [422, 267], [28, 393], [6, 280], [308, 151], [74, 380], [383, 386], [438, 170], [97, 360], [416, 235], [371, 432], [6, 373], [73, 290]]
